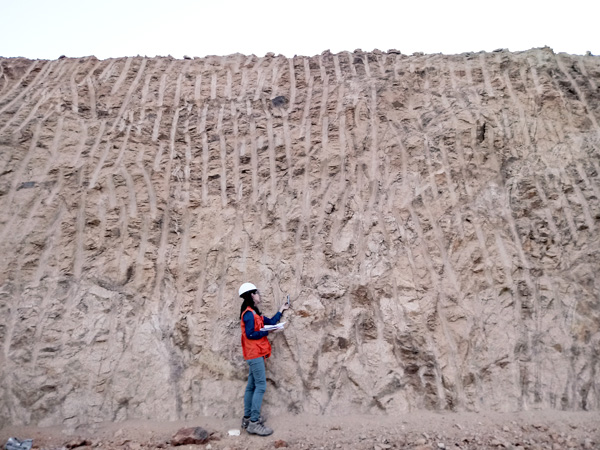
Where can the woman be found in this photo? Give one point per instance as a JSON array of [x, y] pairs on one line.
[[256, 348]]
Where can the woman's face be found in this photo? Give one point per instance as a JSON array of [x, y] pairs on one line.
[[256, 297]]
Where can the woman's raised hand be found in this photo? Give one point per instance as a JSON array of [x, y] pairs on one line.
[[284, 306]]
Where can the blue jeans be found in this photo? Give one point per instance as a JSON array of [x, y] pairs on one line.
[[255, 390]]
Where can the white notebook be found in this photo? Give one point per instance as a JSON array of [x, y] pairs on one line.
[[279, 326]]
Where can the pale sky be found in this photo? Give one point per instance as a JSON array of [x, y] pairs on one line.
[[47, 29]]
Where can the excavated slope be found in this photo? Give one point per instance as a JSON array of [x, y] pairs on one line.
[[434, 218]]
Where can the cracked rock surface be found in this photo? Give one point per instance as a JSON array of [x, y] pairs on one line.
[[435, 220]]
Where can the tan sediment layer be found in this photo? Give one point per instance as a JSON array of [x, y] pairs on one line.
[[434, 219]]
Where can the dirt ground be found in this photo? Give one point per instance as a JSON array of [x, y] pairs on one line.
[[419, 430]]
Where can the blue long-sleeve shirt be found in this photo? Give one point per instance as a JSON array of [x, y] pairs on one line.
[[249, 325]]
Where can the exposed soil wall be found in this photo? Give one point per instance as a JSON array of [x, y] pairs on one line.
[[434, 218]]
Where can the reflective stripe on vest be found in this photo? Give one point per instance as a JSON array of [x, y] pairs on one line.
[[255, 348]]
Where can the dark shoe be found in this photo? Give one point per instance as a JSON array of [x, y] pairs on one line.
[[246, 421], [259, 429]]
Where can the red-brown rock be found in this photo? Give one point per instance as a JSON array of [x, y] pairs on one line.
[[79, 442], [187, 436]]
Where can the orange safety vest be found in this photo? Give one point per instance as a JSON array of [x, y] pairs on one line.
[[255, 348]]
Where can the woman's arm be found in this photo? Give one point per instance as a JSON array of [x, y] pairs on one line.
[[273, 320], [277, 317], [249, 327]]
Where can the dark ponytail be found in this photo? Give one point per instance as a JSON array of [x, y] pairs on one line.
[[248, 302]]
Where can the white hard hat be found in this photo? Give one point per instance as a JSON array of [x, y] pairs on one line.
[[247, 287]]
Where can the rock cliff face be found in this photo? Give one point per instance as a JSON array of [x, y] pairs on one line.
[[434, 218]]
